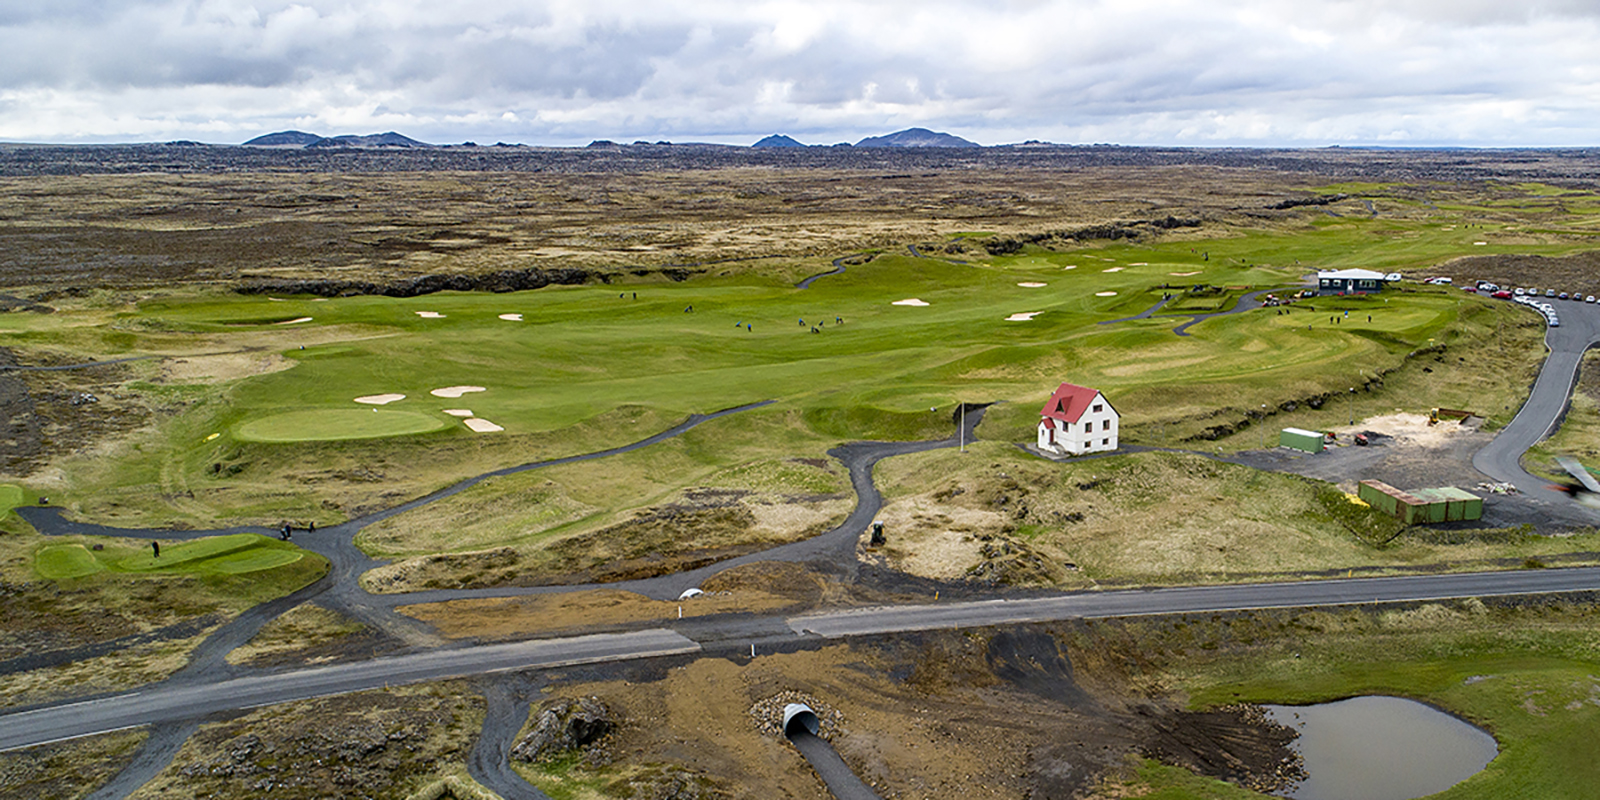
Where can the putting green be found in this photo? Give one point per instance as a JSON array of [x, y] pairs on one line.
[[235, 554], [334, 424], [62, 561]]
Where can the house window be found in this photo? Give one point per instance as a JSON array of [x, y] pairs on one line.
[[1105, 425], [1106, 442], [1098, 407]]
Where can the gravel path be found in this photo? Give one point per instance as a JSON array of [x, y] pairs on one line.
[[489, 763]]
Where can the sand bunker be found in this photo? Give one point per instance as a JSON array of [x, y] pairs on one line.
[[511, 317], [380, 399], [1031, 284], [1182, 274], [1105, 294], [1070, 266], [458, 412], [1140, 264], [430, 315], [456, 391], [276, 299], [296, 321], [1026, 316], [1480, 243], [482, 425], [909, 301], [1112, 269]]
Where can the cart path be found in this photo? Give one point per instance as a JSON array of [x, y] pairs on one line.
[[838, 269], [507, 699]]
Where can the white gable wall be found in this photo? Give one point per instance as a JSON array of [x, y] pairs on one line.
[[1095, 431]]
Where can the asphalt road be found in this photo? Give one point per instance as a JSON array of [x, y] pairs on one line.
[[1195, 599], [1547, 402], [171, 703]]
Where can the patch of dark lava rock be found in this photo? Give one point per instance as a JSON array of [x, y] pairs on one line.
[[583, 726], [367, 745]]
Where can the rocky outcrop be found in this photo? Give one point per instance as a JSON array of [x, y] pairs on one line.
[[510, 280], [564, 726], [1111, 231]]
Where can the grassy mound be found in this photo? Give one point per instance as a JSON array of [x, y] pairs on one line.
[[227, 555], [337, 424]]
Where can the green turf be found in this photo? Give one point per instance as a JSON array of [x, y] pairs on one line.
[[336, 424], [253, 560], [63, 561], [235, 554], [582, 356], [11, 496]]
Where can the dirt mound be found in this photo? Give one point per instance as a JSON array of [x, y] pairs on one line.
[[791, 581], [1033, 662], [1238, 744]]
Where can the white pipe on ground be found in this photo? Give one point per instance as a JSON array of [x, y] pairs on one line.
[[801, 716]]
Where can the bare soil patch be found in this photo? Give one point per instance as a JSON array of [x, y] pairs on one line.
[[1003, 712]]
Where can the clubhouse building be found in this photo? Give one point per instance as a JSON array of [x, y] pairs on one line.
[[1077, 420], [1349, 281]]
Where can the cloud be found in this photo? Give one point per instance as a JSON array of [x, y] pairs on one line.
[[566, 71]]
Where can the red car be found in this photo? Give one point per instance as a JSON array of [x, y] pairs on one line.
[[1502, 295]]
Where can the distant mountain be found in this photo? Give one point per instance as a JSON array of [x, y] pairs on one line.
[[916, 137], [777, 140], [389, 139], [284, 139]]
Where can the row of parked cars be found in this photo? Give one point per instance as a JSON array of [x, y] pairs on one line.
[[1534, 302]]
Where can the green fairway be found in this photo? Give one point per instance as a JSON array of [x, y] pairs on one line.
[[571, 369], [234, 554], [334, 424]]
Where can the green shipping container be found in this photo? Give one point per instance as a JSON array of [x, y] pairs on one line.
[[1298, 439], [1457, 505]]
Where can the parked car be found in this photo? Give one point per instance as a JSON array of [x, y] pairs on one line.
[[1589, 299], [1472, 289], [1549, 293], [1562, 296], [1440, 281], [1505, 295], [1521, 291]]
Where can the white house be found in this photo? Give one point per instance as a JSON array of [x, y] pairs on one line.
[[1075, 420]]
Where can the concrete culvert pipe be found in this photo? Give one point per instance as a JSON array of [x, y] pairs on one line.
[[798, 717]]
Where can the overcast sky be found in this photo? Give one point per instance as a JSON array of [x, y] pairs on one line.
[[561, 72]]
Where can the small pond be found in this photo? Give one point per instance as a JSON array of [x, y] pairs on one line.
[[1381, 748]]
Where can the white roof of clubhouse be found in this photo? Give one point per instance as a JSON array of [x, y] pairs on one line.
[[1350, 275]]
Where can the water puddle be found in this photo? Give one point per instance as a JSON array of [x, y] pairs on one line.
[[1381, 748]]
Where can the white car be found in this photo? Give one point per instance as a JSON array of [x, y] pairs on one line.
[[1520, 291], [1589, 299]]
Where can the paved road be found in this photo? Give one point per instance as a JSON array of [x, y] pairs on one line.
[[1501, 459], [172, 703], [1196, 599]]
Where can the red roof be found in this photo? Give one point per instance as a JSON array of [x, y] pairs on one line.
[[1069, 402]]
